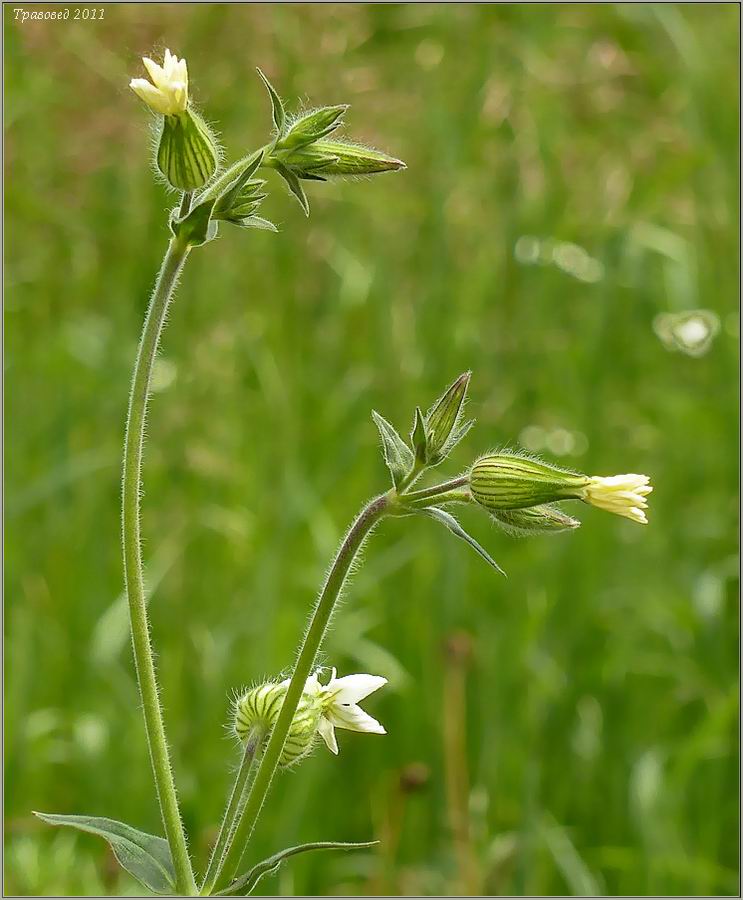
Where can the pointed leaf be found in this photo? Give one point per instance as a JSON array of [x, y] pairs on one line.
[[143, 855], [247, 883], [197, 227], [256, 222], [447, 519], [228, 197], [397, 454], [295, 186], [277, 107], [419, 437]]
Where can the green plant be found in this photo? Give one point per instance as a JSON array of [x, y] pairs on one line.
[[279, 722]]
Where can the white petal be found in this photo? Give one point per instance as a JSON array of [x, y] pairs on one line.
[[181, 72], [158, 75], [327, 733], [353, 718], [353, 688], [151, 95]]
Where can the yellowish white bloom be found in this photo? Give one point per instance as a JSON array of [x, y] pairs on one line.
[[167, 93], [339, 699], [623, 495]]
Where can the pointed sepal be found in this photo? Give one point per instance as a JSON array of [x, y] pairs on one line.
[[419, 437]]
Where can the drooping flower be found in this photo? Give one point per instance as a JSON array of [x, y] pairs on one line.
[[321, 709], [167, 93], [623, 495]]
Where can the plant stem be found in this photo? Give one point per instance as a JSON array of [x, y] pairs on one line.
[[362, 526], [411, 477], [437, 489], [231, 813], [185, 206], [437, 499], [173, 262]]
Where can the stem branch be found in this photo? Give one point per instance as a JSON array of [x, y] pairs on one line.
[[231, 813], [437, 489], [362, 526], [133, 568]]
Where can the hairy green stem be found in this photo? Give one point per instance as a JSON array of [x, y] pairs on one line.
[[133, 568], [437, 499], [234, 805], [411, 477], [437, 490], [362, 526], [185, 206]]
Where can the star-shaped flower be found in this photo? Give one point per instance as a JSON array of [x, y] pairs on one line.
[[339, 700]]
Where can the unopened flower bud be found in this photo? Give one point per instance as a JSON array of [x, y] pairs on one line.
[[534, 520], [328, 158], [507, 481], [312, 126], [442, 431], [187, 152]]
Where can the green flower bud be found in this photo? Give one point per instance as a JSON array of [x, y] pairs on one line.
[[187, 153], [442, 420], [535, 520], [506, 481], [326, 158], [312, 126], [261, 707]]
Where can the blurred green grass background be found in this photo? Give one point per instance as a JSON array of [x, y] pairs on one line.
[[568, 229]]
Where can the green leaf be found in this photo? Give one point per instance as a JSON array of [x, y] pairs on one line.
[[419, 437], [228, 197], [447, 519], [295, 186], [143, 855], [255, 222], [247, 883], [197, 227], [277, 107], [397, 454]]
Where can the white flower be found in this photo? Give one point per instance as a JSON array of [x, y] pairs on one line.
[[623, 495], [339, 700], [168, 92]]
